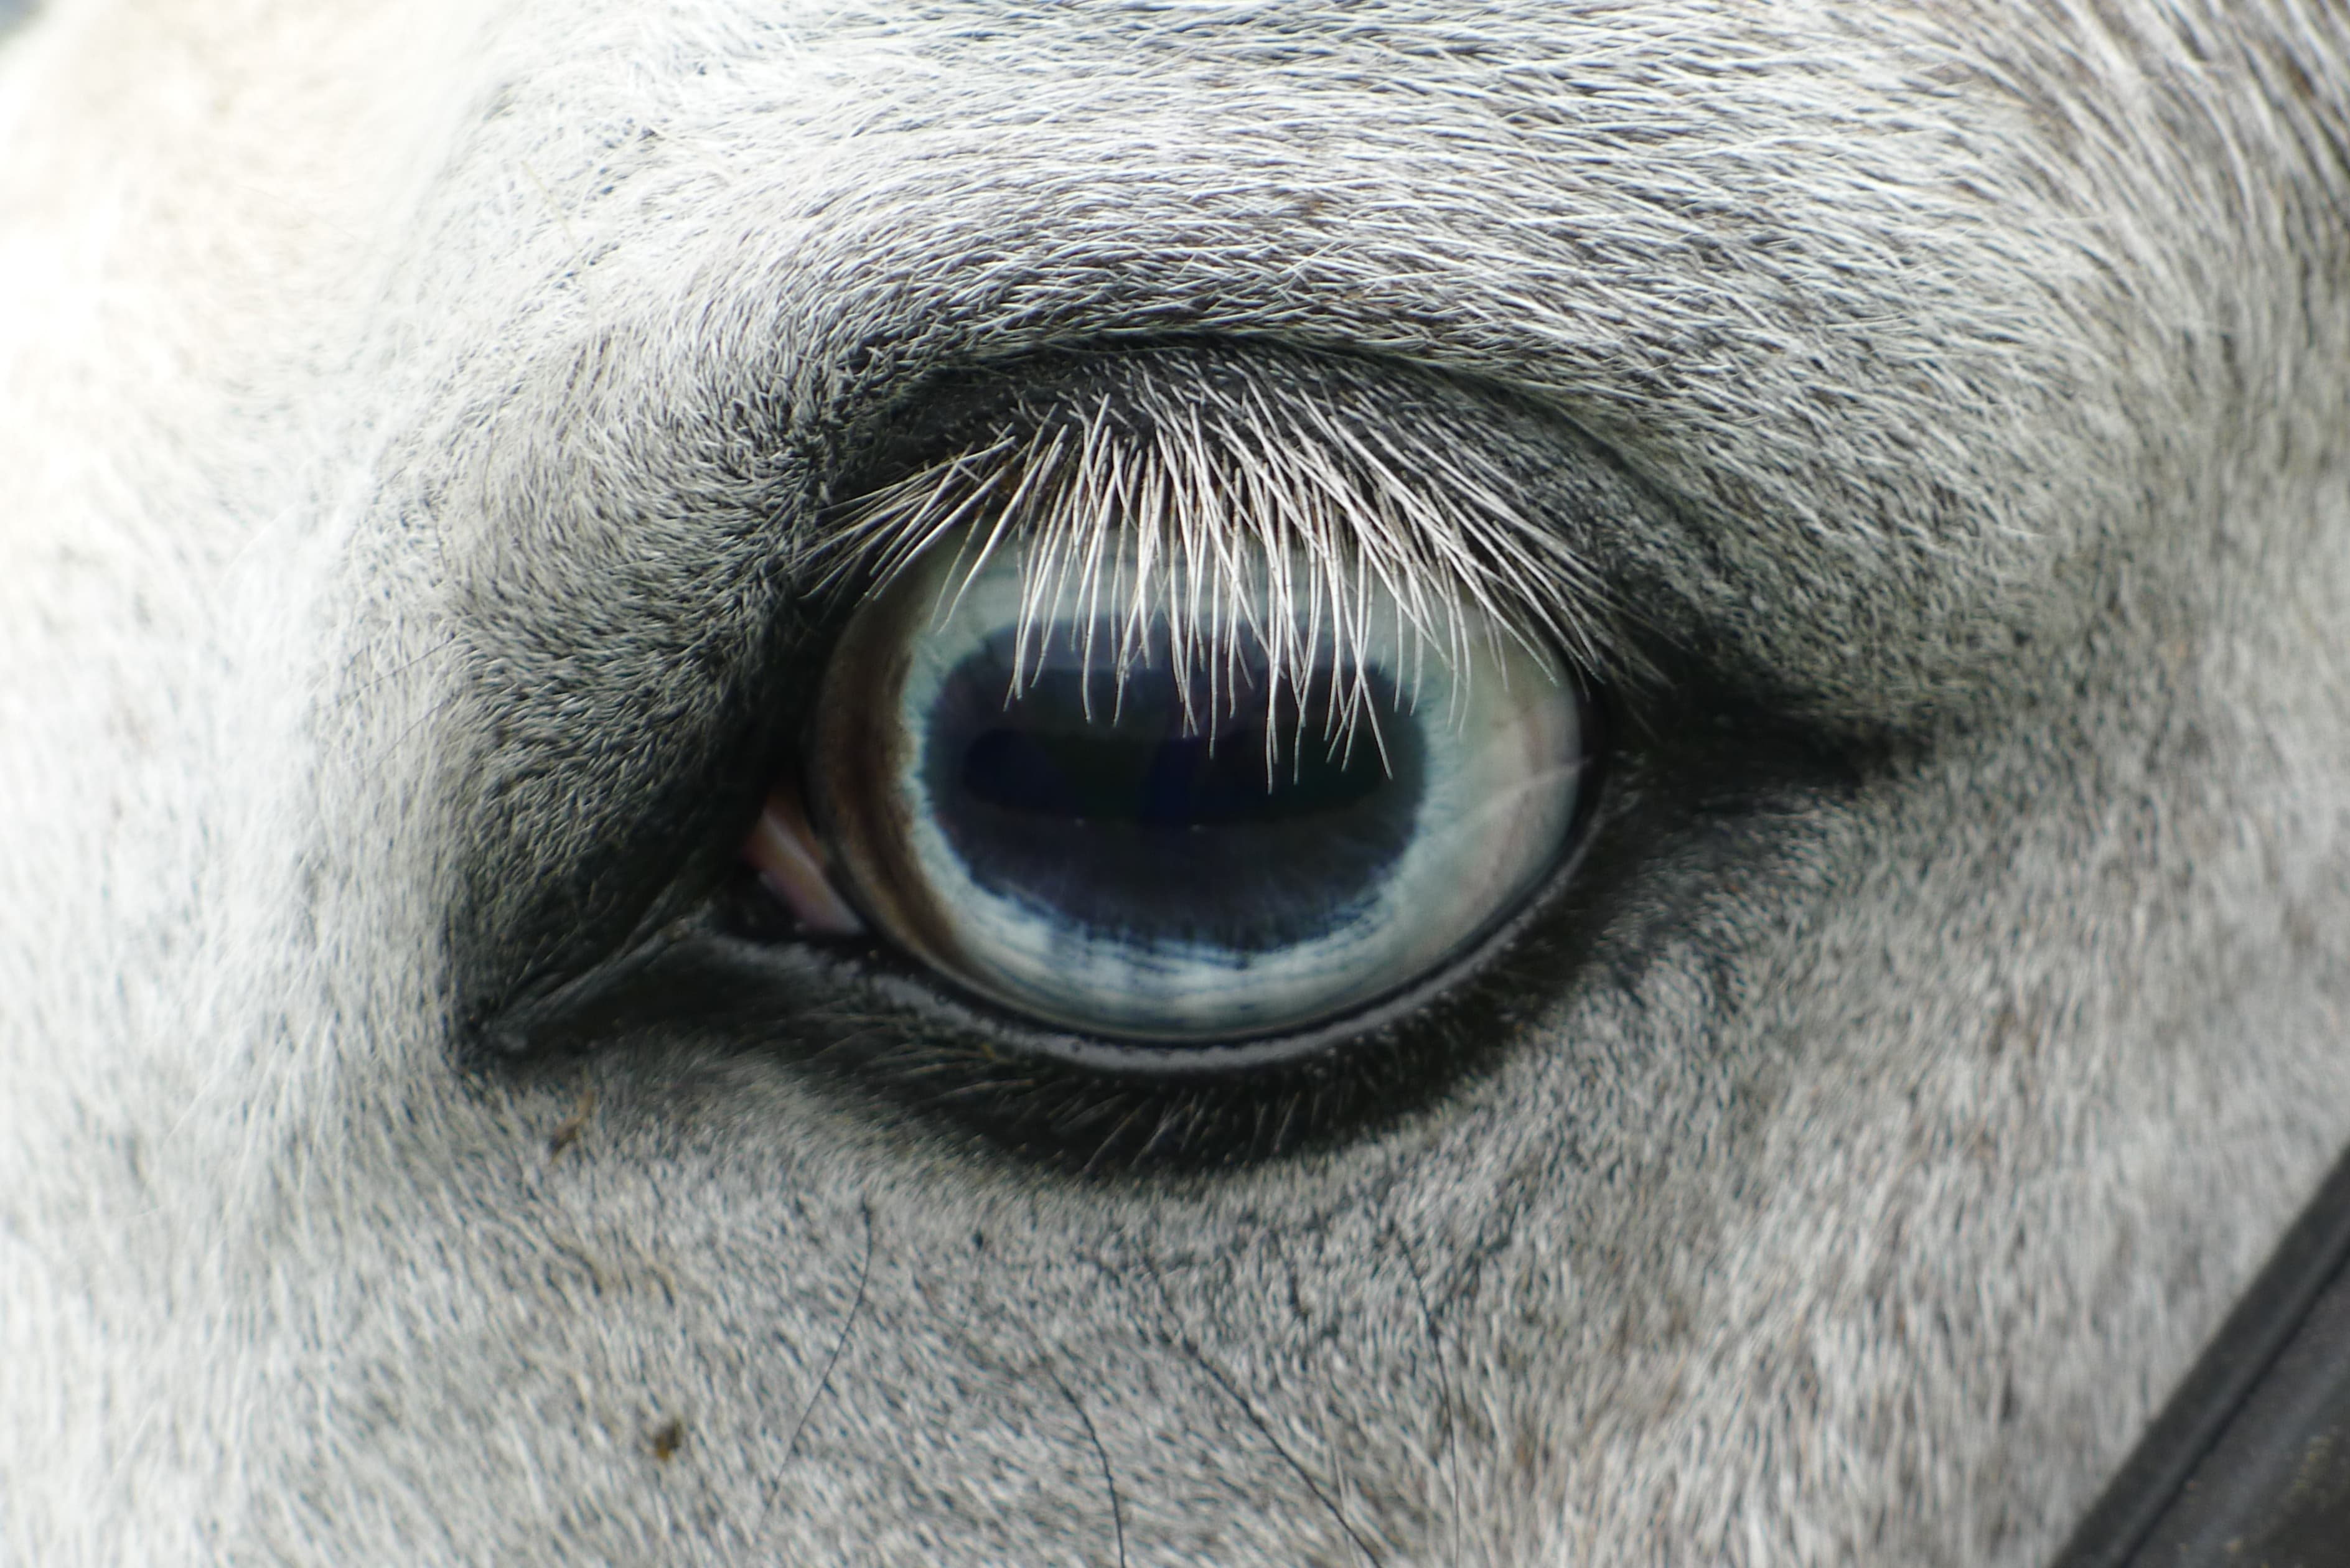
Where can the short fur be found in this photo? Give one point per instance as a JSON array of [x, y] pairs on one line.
[[406, 409]]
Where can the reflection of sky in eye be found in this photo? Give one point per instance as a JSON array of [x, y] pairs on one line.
[[12, 11]]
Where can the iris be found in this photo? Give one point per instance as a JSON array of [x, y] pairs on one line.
[[1136, 809]]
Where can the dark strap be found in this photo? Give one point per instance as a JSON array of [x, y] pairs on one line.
[[2248, 1465]]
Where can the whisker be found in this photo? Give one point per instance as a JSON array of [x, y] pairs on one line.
[[1198, 1357], [824, 1378], [1447, 1412], [1109, 1479]]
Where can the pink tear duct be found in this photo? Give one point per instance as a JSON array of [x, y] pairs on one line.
[[782, 849]]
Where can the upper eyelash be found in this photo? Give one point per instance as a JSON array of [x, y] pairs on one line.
[[1184, 477]]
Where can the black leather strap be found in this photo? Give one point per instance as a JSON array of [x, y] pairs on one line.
[[2248, 1465]]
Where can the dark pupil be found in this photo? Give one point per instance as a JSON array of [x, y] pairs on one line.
[[1244, 826], [1148, 767]]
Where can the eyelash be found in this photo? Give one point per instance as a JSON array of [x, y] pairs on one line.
[[1204, 471]]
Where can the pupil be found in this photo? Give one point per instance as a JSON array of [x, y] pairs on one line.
[[1146, 767], [1241, 827]]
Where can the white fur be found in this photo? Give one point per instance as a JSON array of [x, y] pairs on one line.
[[373, 389]]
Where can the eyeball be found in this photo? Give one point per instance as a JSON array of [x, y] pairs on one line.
[[1137, 807]]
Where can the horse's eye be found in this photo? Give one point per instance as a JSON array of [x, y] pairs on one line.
[[1170, 817]]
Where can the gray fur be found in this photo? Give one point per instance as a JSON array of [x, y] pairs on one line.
[[404, 409]]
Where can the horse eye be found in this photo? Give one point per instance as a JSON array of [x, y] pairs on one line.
[[1169, 817]]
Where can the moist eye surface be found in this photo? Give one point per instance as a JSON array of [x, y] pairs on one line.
[[1169, 817], [1162, 822]]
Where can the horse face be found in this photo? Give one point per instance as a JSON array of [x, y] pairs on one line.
[[431, 433]]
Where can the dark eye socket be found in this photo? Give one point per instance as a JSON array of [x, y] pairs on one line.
[[1307, 895]]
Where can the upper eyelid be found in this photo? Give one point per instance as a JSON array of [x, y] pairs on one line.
[[1832, 362]]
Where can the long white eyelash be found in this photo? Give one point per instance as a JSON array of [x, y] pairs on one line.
[[1206, 490]]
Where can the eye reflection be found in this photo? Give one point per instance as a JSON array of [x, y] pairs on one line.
[[1158, 816], [1228, 826]]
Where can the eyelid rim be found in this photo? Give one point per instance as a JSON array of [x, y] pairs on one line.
[[881, 967]]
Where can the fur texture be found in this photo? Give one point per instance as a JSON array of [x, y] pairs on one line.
[[410, 412]]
